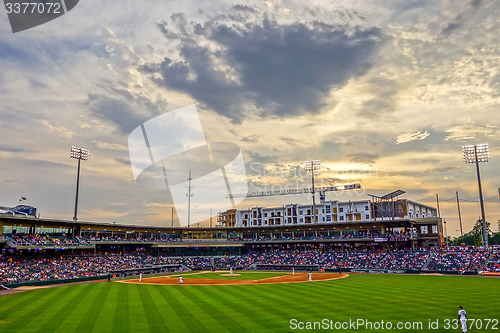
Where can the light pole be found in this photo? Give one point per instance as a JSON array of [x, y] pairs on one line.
[[445, 233], [79, 154], [478, 154], [189, 195], [313, 165]]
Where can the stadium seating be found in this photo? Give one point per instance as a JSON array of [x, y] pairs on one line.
[[17, 270]]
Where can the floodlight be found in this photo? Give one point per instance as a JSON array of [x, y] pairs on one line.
[[478, 154]]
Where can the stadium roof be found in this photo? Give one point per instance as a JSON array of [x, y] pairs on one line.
[[389, 196]]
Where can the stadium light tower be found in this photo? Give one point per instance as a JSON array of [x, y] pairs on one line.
[[478, 154], [313, 165], [79, 154]]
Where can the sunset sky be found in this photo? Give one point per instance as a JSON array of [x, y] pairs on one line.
[[383, 93]]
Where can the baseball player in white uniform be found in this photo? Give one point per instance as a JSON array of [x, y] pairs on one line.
[[180, 280], [462, 316]]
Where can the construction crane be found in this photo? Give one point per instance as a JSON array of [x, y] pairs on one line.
[[321, 190]]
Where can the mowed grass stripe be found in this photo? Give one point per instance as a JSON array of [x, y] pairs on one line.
[[202, 314], [20, 301], [255, 296], [30, 312], [66, 305], [187, 319], [208, 305], [137, 320], [94, 302], [275, 297], [121, 322], [71, 321], [230, 300], [104, 318], [171, 317], [153, 316]]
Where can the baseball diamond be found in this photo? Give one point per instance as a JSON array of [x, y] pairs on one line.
[[132, 307]]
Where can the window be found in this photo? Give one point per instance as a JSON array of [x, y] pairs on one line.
[[301, 220], [367, 208], [301, 212], [341, 218], [367, 217], [328, 209], [328, 218], [424, 229], [434, 229], [341, 209]]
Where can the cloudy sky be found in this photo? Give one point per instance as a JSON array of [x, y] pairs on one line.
[[385, 95]]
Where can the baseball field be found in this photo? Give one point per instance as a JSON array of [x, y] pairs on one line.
[[359, 302]]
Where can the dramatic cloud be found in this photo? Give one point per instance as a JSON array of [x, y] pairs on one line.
[[267, 67], [398, 87], [459, 20], [403, 138], [468, 131], [122, 109]]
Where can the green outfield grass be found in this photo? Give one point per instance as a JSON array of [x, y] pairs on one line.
[[120, 307], [242, 275]]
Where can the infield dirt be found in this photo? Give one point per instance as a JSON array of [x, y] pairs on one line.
[[288, 278]]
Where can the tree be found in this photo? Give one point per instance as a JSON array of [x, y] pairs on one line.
[[495, 240], [475, 236], [477, 230], [467, 239]]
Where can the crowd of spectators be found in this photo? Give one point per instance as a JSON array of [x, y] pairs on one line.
[[116, 238], [493, 264], [407, 260], [47, 240], [460, 260], [66, 241], [358, 235], [22, 270], [15, 270]]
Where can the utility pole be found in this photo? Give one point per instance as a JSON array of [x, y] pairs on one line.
[[459, 216], [445, 233], [437, 200], [189, 195]]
